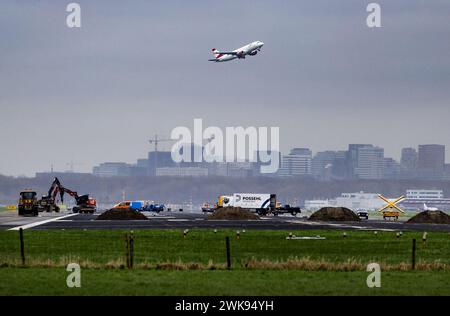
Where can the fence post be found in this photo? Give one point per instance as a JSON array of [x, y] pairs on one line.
[[22, 246], [414, 254], [127, 250], [131, 250], [227, 242]]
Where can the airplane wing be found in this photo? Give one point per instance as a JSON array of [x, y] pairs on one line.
[[212, 59]]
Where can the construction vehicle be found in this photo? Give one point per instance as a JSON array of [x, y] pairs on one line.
[[388, 214], [47, 202], [391, 210], [84, 204], [28, 203]]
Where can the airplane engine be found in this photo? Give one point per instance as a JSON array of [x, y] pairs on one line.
[[253, 53]]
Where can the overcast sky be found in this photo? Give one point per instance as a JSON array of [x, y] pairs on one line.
[[136, 68]]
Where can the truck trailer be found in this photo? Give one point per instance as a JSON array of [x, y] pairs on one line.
[[261, 203]]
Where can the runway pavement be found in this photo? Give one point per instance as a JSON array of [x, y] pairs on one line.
[[182, 220]]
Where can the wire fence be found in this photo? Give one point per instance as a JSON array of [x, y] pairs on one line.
[[210, 249]]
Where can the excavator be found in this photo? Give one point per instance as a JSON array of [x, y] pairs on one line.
[[29, 204], [84, 204], [47, 202]]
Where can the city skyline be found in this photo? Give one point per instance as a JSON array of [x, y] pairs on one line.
[[72, 166], [131, 71], [358, 161]]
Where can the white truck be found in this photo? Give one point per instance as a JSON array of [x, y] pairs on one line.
[[261, 203]]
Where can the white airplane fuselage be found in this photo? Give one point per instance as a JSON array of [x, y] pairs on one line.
[[426, 208], [240, 53]]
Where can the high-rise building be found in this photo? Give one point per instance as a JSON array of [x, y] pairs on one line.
[[408, 160], [447, 171], [297, 163], [391, 169], [408, 163], [321, 161], [329, 164], [370, 162], [431, 161], [339, 169], [352, 158]]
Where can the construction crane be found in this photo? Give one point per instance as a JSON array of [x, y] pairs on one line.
[[156, 141], [71, 165]]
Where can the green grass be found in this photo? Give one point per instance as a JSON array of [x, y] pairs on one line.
[[39, 281], [201, 246], [156, 246]]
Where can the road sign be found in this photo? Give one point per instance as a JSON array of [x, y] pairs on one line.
[[391, 204]]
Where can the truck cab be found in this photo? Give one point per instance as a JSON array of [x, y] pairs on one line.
[[225, 200], [28, 204]]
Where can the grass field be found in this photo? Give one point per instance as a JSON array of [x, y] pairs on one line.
[[202, 246], [263, 263], [41, 281]]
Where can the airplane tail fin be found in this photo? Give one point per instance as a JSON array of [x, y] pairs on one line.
[[425, 207], [215, 53]]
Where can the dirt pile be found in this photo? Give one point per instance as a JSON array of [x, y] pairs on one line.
[[121, 214], [430, 217], [233, 213], [334, 214]]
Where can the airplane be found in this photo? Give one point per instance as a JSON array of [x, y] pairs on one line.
[[426, 208], [250, 49]]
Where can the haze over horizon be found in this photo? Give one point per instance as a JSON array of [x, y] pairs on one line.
[[98, 93]]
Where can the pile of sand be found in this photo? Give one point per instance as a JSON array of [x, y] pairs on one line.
[[121, 214], [430, 217], [233, 213], [334, 214]]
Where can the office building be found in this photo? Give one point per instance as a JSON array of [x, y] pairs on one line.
[[112, 169], [416, 199], [369, 162], [431, 161], [182, 172], [424, 194], [297, 163], [408, 160]]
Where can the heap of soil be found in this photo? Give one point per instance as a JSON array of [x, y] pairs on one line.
[[334, 214], [430, 217], [233, 213], [121, 214]]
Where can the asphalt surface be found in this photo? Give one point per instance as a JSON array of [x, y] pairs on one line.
[[183, 220]]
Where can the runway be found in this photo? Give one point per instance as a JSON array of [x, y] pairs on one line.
[[185, 220]]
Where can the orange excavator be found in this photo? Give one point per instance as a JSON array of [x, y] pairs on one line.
[[84, 204]]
